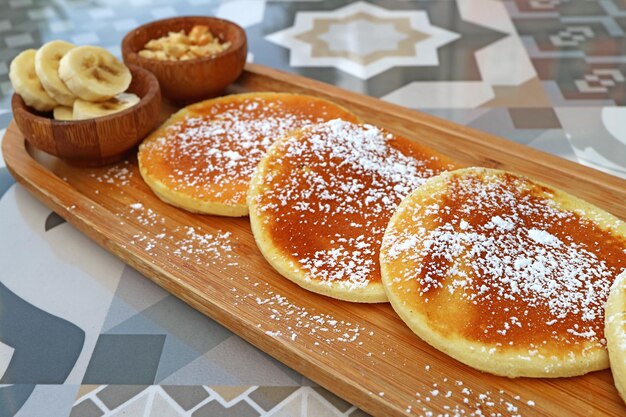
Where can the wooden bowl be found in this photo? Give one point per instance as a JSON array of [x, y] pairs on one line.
[[98, 141], [194, 79]]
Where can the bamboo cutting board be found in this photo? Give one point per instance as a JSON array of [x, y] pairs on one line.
[[363, 353]]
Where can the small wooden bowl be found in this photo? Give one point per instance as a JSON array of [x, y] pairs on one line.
[[194, 79], [99, 141]]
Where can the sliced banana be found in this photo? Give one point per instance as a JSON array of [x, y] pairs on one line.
[[26, 83], [88, 110], [93, 73], [63, 113], [47, 67]]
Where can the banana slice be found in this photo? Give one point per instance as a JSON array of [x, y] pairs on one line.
[[25, 82], [63, 113], [93, 73], [47, 67], [88, 110]]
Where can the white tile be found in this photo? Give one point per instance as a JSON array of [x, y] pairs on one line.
[[163, 12], [6, 88], [505, 62], [6, 351], [2, 164], [125, 25], [164, 407], [243, 12], [442, 94], [5, 25], [101, 13], [613, 120], [86, 39], [115, 50], [3, 68], [61, 26]]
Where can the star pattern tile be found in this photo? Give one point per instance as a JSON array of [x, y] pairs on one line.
[[363, 40]]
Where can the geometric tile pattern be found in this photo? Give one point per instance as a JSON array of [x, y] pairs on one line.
[[209, 401], [546, 73]]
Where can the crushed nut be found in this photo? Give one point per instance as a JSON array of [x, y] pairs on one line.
[[200, 42]]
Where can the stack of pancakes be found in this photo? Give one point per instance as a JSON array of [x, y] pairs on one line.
[[503, 273]]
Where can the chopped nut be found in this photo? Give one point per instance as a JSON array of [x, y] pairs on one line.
[[205, 39], [175, 50], [154, 45], [146, 54], [197, 31], [179, 46]]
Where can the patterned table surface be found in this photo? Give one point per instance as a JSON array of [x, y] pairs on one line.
[[82, 334]]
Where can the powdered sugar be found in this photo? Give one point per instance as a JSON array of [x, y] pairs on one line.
[[515, 253], [187, 243], [119, 175], [459, 400], [332, 190], [214, 154]]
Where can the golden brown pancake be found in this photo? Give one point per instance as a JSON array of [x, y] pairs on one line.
[[615, 332], [504, 273], [321, 198], [203, 157]]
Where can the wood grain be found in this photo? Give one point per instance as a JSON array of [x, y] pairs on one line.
[[194, 79], [99, 141], [386, 370]]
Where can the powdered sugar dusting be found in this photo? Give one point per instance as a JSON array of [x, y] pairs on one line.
[[188, 243], [330, 192], [458, 399], [533, 269], [118, 175], [214, 154]]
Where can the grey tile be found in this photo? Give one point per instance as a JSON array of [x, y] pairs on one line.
[[20, 40], [115, 395], [20, 3], [53, 220], [270, 397], [13, 397], [186, 396], [199, 332], [215, 409], [46, 346], [86, 409], [40, 14], [339, 403], [124, 359]]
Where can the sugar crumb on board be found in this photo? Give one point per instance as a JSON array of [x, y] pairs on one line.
[[187, 243], [287, 319], [457, 399]]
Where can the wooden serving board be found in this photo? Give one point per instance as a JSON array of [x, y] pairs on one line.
[[363, 353]]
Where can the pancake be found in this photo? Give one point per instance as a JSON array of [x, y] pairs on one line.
[[203, 157], [321, 198], [615, 332], [503, 273]]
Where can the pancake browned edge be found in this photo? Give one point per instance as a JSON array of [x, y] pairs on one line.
[[202, 158], [503, 273], [615, 332], [321, 198]]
